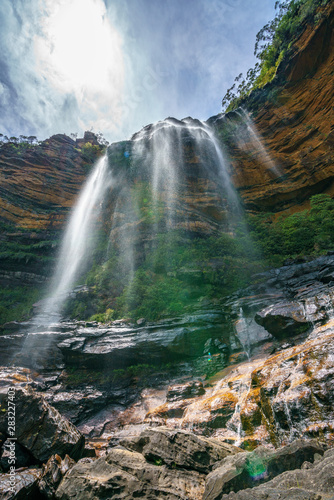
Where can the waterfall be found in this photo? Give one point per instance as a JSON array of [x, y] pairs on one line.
[[257, 142], [171, 187], [163, 146], [77, 241]]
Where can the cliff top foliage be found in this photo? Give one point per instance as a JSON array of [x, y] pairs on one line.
[[273, 44], [24, 142]]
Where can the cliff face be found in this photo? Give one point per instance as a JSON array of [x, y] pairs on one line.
[[294, 116], [39, 183], [38, 186], [254, 367]]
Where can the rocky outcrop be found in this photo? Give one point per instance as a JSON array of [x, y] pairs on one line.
[[123, 474], [22, 486], [284, 319], [177, 448], [230, 378], [313, 482], [38, 183], [301, 468], [286, 155], [52, 474], [39, 428], [251, 469], [159, 463]]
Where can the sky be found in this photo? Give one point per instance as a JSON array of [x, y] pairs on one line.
[[114, 66]]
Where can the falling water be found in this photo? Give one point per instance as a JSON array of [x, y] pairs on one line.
[[241, 328], [77, 241], [163, 146], [223, 173], [257, 142], [160, 147], [154, 190]]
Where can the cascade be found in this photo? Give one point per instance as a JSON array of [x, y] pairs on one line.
[[257, 143], [77, 242], [156, 180], [160, 181]]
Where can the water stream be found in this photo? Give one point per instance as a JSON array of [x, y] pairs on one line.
[[257, 143], [77, 242]]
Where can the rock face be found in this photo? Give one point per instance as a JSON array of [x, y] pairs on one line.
[[249, 469], [159, 463], [39, 183], [124, 475], [287, 154], [271, 387], [283, 319], [38, 186], [39, 428], [312, 482], [179, 449], [24, 487], [52, 474]]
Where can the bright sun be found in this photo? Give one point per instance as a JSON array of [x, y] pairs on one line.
[[79, 50]]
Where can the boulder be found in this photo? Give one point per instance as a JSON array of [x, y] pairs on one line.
[[246, 470], [178, 448], [312, 482], [23, 485], [284, 319], [125, 474], [22, 457], [39, 427]]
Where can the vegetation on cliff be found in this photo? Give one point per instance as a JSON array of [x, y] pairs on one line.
[[306, 233], [178, 273], [274, 43]]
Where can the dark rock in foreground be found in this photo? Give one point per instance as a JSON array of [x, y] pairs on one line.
[[179, 449], [39, 427], [23, 487], [125, 475], [284, 319]]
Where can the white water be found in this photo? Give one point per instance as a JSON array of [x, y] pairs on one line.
[[77, 241], [257, 142], [223, 172], [163, 148], [241, 328]]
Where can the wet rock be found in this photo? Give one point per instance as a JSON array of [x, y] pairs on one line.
[[21, 486], [52, 474], [39, 427], [283, 319], [187, 390], [214, 346], [180, 449], [125, 474], [250, 469], [173, 409]]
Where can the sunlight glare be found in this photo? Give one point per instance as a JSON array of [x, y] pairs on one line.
[[80, 52]]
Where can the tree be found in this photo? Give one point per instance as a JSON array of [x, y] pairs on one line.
[[273, 42]]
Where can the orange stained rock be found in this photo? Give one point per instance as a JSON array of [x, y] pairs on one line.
[[296, 128]]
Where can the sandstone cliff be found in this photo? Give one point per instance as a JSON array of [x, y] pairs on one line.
[[294, 115]]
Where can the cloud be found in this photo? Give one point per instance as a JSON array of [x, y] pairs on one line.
[[116, 65]]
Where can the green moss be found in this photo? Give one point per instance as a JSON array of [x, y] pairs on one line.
[[306, 233], [16, 303]]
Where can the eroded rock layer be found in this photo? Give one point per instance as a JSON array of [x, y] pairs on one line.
[[287, 154]]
